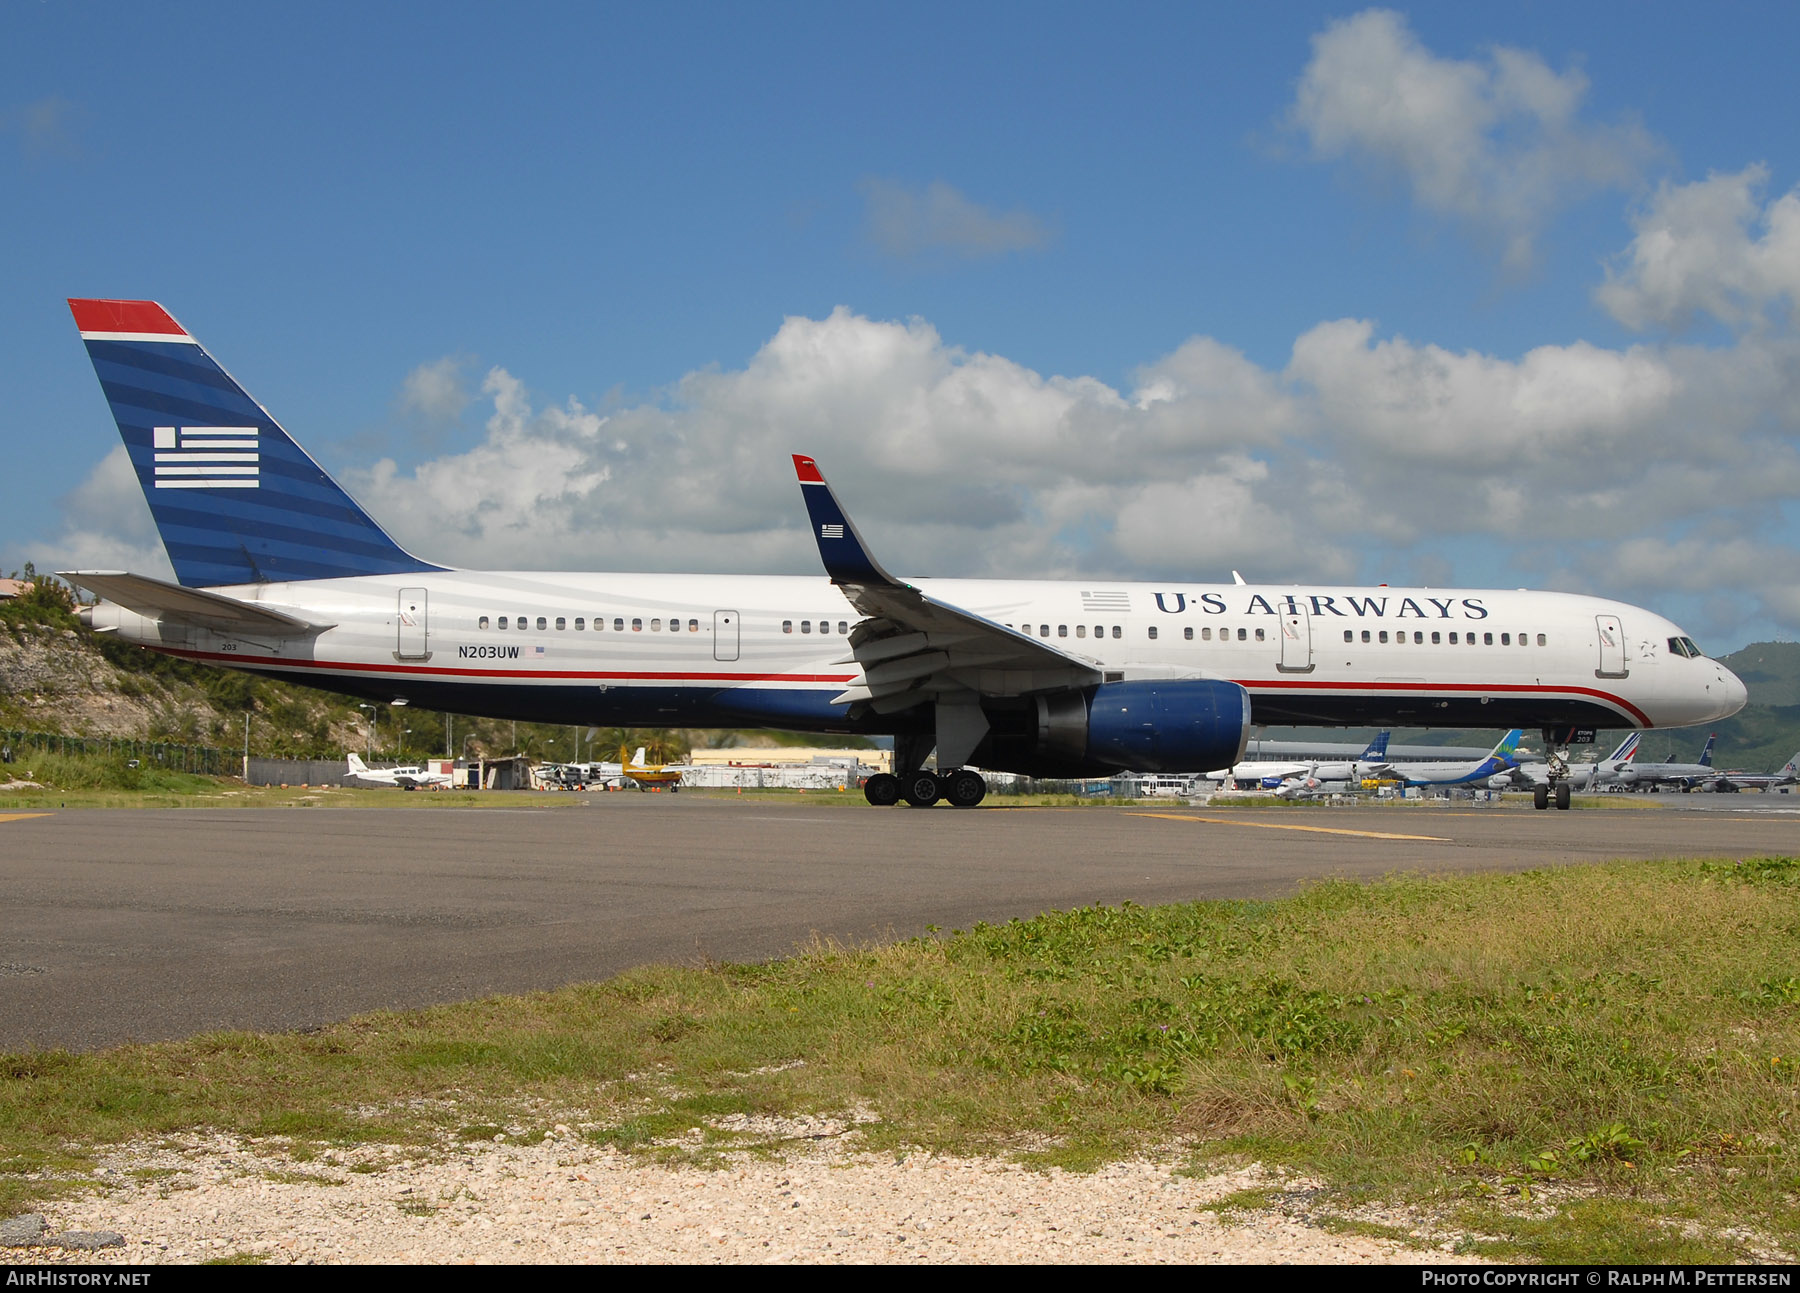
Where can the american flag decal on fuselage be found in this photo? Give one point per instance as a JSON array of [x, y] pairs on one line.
[[206, 457]]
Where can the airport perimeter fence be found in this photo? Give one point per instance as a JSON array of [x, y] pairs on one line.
[[204, 759]]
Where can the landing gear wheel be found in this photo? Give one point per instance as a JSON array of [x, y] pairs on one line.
[[920, 789], [882, 790], [965, 789], [1540, 797], [1562, 795]]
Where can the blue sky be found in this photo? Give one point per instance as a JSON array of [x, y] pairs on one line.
[[1323, 294]]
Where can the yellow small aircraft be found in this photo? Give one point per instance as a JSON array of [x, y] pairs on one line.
[[651, 776]]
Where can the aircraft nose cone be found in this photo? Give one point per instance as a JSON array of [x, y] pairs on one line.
[[1734, 692]]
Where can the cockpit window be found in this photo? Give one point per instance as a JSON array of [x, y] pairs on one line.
[[1685, 648]]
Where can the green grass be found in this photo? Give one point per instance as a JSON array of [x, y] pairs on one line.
[[1585, 1063]]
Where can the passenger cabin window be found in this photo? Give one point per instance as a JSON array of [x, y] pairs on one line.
[[843, 626], [1365, 634], [1259, 635], [1349, 635], [1506, 639], [1243, 635], [561, 624], [1062, 630], [1081, 630], [1206, 635], [1188, 632], [483, 623], [693, 626], [637, 625], [1043, 630], [1153, 632], [1541, 641], [787, 626], [522, 624], [806, 626], [1381, 636], [1436, 638], [541, 624], [618, 626], [579, 624], [1487, 639], [656, 626]]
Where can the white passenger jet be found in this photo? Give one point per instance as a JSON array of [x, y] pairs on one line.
[[281, 573]]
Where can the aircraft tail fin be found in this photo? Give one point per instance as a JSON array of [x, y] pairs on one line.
[[1627, 749], [1706, 754], [356, 764], [235, 499], [1377, 749], [1509, 743]]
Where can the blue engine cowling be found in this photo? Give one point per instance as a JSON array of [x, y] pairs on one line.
[[1191, 725]]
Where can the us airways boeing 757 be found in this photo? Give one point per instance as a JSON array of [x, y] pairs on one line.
[[281, 573]]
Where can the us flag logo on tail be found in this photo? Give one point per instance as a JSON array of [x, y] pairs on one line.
[[207, 457], [831, 531]]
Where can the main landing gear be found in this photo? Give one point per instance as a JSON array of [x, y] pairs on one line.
[[962, 788]]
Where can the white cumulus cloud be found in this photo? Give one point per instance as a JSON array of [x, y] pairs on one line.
[[1710, 247], [1655, 471], [1498, 143]]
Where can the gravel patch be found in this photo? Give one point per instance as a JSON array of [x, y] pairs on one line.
[[566, 1200]]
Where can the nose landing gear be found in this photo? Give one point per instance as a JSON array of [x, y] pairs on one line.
[[1556, 761]]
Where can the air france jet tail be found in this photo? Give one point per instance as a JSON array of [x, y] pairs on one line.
[[280, 572]]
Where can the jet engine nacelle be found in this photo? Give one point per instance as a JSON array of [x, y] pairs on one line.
[[1150, 726]]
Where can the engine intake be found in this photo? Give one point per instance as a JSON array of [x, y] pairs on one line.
[[1192, 725]]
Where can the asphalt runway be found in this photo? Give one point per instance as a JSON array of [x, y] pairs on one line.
[[126, 925]]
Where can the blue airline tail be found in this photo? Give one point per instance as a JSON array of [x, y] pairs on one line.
[[235, 499], [1377, 750], [1706, 754]]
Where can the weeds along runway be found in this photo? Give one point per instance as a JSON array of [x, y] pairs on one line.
[[137, 925]]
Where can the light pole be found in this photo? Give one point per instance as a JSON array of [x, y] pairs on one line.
[[368, 732]]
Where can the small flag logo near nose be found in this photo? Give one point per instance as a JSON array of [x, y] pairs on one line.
[[831, 531], [206, 457]]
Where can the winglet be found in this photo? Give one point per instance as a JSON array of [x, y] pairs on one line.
[[841, 548]]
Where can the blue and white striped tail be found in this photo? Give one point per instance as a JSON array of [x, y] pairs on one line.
[[235, 499]]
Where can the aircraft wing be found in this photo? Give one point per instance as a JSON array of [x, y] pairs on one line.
[[914, 648], [154, 599]]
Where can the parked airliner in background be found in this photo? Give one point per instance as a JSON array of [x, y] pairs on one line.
[[279, 572], [408, 777], [1271, 773], [1685, 775]]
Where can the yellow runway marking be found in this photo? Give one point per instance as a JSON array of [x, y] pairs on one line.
[[1319, 830], [19, 817]]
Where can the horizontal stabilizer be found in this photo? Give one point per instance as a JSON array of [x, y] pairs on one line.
[[157, 600]]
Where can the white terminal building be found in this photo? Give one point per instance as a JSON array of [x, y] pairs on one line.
[[785, 768]]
